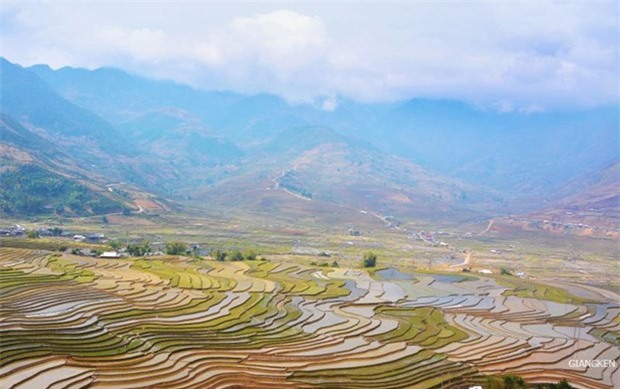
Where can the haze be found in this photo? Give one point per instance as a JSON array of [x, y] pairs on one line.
[[528, 57]]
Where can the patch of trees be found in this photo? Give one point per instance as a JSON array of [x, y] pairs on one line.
[[370, 259], [220, 255], [55, 231], [139, 250], [176, 248], [121, 193], [285, 182], [30, 190], [510, 381]]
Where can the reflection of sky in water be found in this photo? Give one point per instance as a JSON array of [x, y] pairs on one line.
[[393, 274]]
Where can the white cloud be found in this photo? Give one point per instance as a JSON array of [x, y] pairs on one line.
[[533, 54], [329, 103]]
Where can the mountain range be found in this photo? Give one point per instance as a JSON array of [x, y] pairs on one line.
[[420, 158]]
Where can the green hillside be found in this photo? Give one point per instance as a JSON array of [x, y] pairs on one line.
[[30, 190]]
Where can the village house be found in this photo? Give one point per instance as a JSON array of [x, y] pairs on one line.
[[110, 254]]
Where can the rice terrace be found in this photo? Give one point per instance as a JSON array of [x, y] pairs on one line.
[[354, 194], [169, 321]]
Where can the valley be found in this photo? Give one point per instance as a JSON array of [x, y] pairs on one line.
[[157, 235]]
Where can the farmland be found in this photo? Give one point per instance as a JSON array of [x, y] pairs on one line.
[[176, 321]]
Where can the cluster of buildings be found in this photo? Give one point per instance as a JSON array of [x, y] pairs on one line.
[[541, 224], [91, 238], [432, 239], [14, 230]]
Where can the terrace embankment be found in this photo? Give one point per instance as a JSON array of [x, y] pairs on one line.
[[71, 322]]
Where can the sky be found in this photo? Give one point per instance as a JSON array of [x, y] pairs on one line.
[[525, 56]]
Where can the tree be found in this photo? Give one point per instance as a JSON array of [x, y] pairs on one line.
[[505, 271], [514, 382], [564, 385], [115, 245], [249, 254], [237, 256], [493, 382], [104, 219], [370, 259], [126, 211], [219, 255], [33, 234], [335, 264], [176, 248], [140, 250]]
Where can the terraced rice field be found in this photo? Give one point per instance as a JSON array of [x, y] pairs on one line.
[[168, 322]]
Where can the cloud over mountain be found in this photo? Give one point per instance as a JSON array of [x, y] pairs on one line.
[[519, 56]]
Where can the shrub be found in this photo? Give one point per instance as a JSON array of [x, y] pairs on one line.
[[249, 254], [505, 271], [219, 255], [136, 250], [370, 259], [176, 248], [514, 382]]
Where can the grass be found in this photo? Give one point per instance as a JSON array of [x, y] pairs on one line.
[[529, 289], [424, 368], [423, 326], [181, 274]]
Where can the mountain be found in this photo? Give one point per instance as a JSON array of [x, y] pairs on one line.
[[525, 155], [68, 153], [307, 167], [596, 204], [517, 153], [114, 94], [246, 120], [418, 158], [26, 97], [178, 137], [36, 120]]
